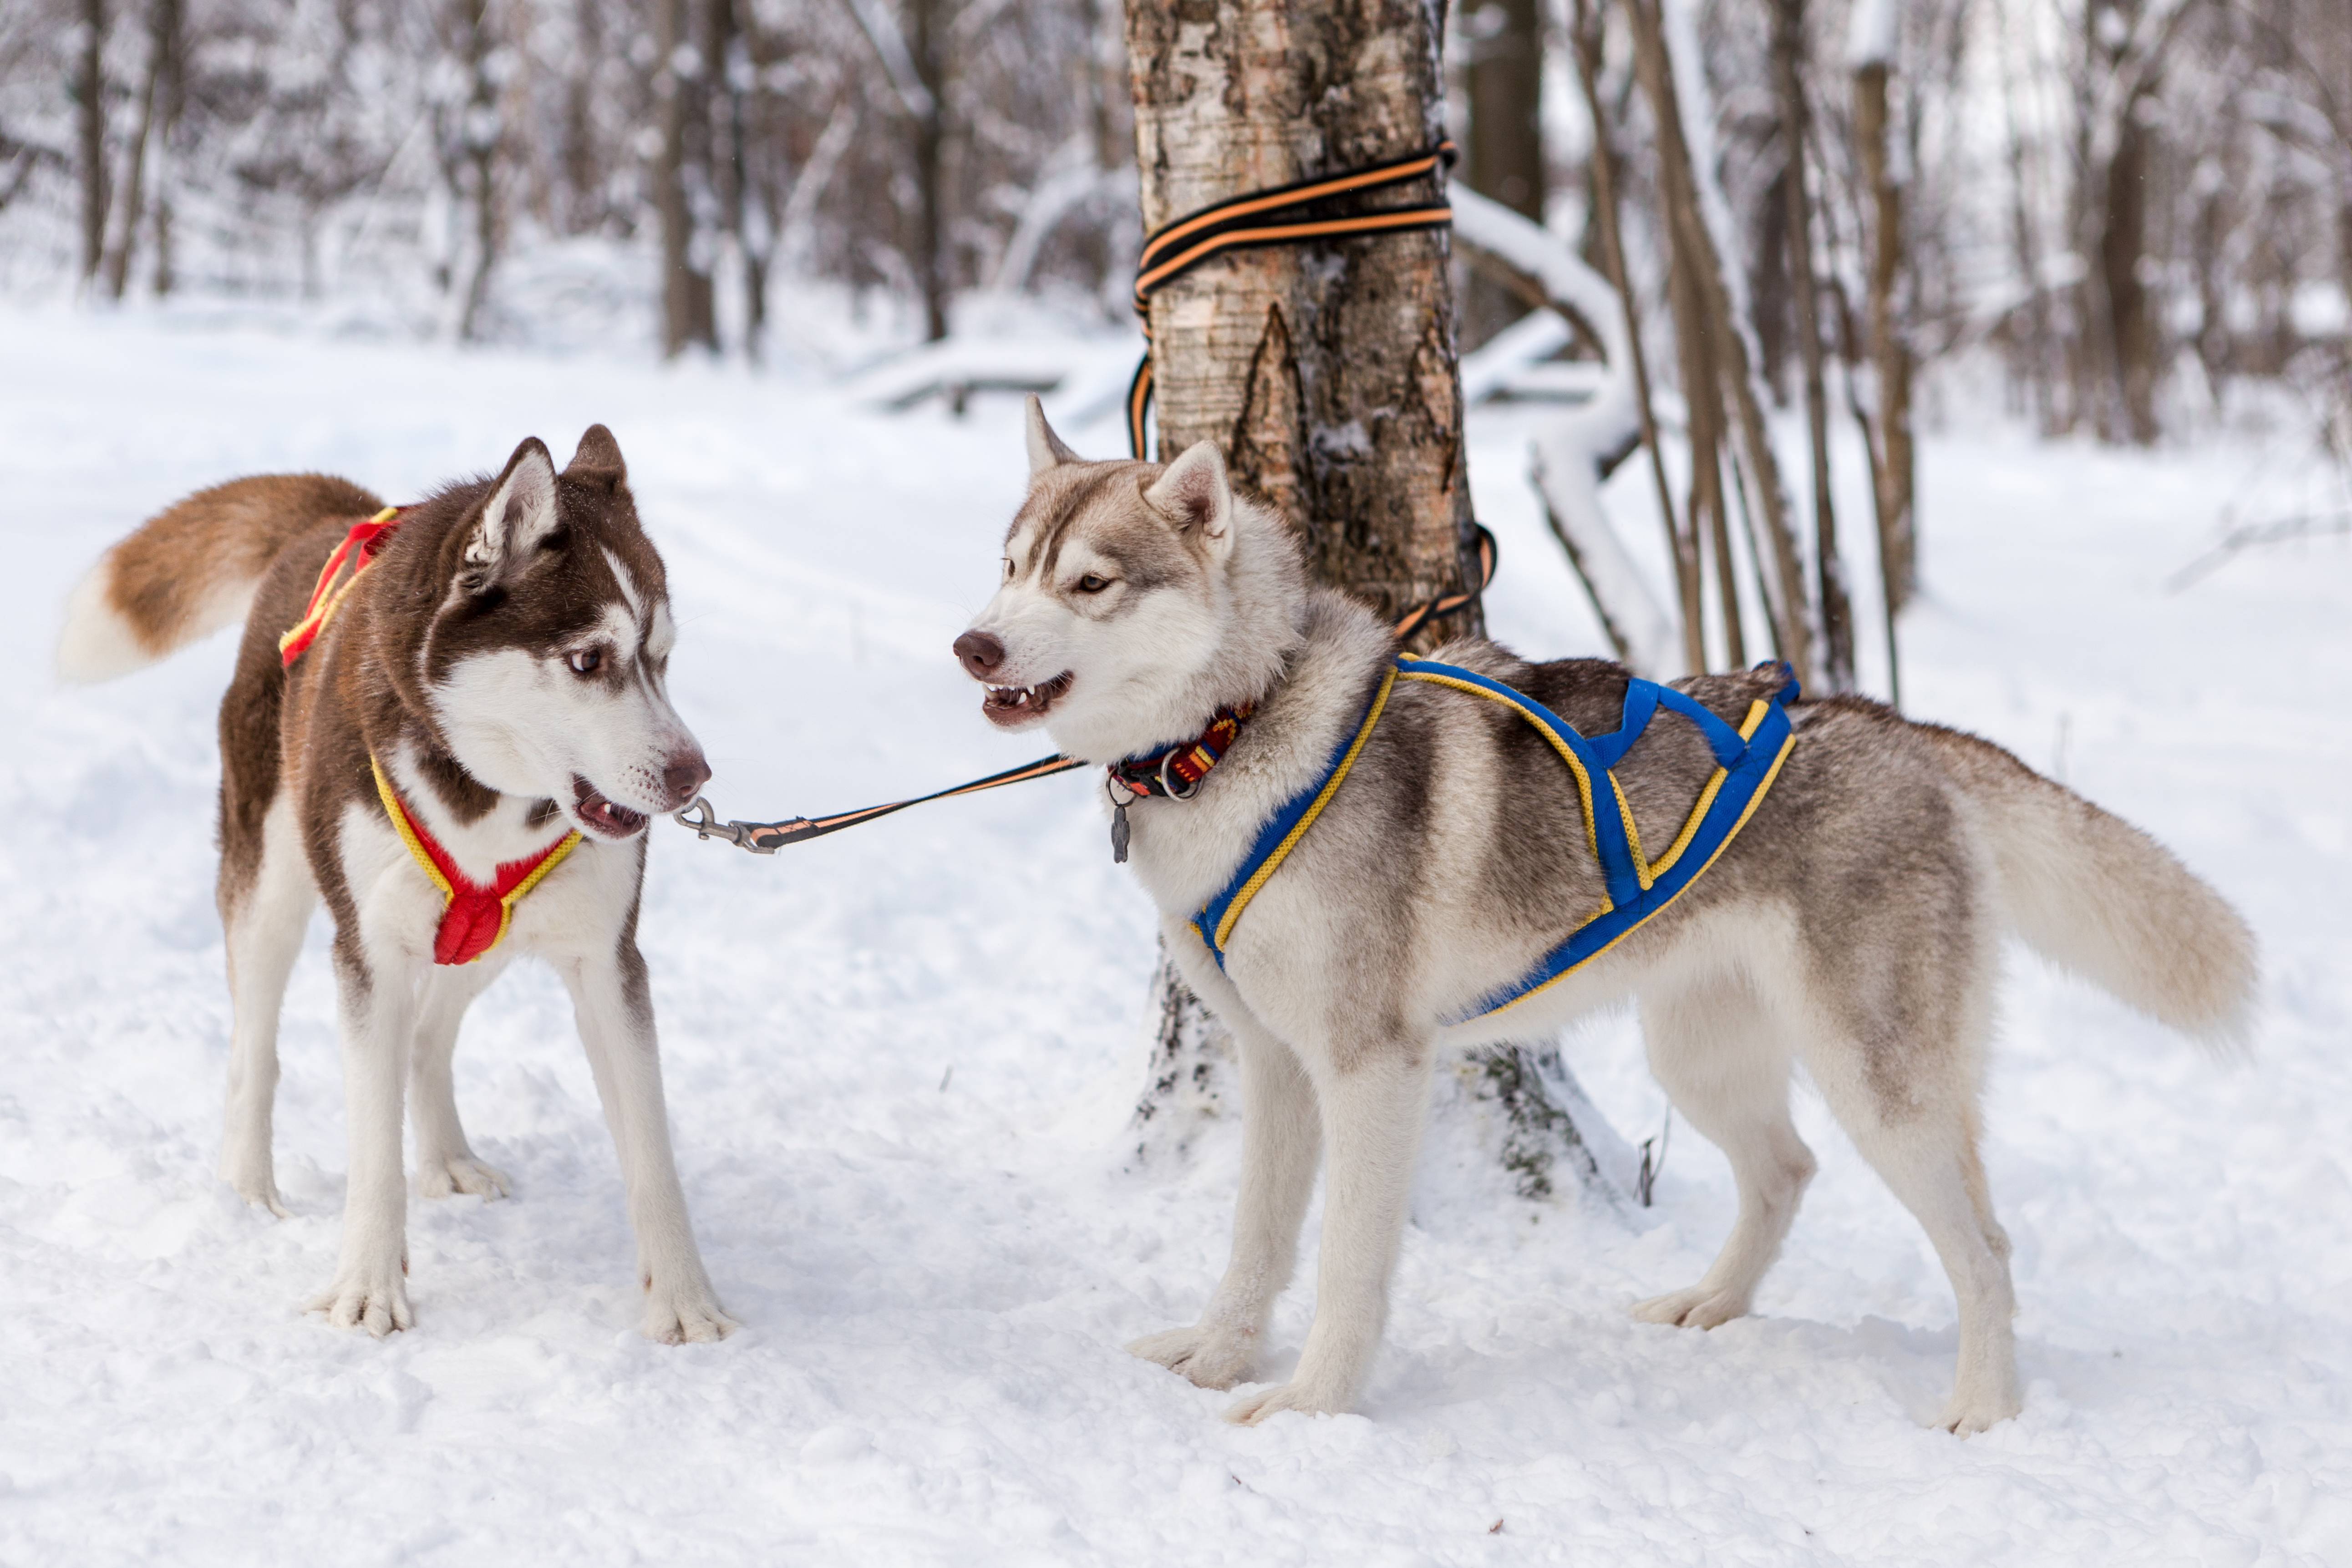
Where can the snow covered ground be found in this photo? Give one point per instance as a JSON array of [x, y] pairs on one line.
[[901, 1060]]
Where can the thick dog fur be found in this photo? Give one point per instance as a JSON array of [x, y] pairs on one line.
[[1855, 926], [504, 659]]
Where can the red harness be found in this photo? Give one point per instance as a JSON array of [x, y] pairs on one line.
[[363, 541], [474, 915]]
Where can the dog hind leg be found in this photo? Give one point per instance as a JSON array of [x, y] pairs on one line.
[[1372, 1115], [264, 920], [1280, 1141], [614, 1011], [1910, 1106], [446, 1162], [1727, 1071]]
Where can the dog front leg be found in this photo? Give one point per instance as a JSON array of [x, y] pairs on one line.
[[1280, 1141], [615, 1009], [1373, 1114], [445, 1161], [379, 1015]]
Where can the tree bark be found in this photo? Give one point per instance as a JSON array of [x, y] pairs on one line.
[[1726, 345], [686, 314], [1890, 354], [1505, 143], [1327, 372], [89, 124], [1836, 610], [927, 42], [1586, 41]]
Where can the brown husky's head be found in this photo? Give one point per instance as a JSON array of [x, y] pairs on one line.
[[1137, 599], [543, 666]]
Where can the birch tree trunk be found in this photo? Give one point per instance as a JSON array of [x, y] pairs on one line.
[[1328, 374]]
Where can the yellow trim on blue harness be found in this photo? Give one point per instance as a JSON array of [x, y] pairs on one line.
[[1747, 762]]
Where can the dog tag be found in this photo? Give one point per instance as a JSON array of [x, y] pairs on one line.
[[1118, 834]]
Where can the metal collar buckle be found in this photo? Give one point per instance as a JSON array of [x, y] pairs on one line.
[[1170, 785]]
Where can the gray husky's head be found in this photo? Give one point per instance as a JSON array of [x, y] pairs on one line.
[[1137, 598]]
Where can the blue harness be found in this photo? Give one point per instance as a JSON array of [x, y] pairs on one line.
[[1747, 761]]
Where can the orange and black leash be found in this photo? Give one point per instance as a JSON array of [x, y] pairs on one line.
[[1294, 214]]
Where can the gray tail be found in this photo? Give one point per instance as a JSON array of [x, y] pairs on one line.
[[2092, 894]]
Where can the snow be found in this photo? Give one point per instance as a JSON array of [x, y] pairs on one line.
[[900, 1059]]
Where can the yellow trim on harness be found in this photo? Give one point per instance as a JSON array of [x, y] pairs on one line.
[[399, 815], [1575, 767], [1755, 716], [417, 852], [1330, 788], [314, 620], [1756, 711]]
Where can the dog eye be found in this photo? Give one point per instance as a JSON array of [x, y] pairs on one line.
[[586, 661], [1091, 584]]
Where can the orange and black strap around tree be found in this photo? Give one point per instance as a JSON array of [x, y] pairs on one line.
[[767, 838], [1294, 214]]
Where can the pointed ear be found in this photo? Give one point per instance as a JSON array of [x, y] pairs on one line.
[[519, 515], [1046, 450], [598, 455], [1194, 493]]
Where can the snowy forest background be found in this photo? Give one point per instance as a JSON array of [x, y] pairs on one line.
[[2139, 210]]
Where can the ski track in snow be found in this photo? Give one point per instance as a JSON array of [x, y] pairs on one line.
[[936, 1274]]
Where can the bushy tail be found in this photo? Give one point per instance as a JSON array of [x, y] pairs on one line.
[[192, 569], [2093, 894]]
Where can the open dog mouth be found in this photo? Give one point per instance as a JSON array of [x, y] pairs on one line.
[[1011, 705], [608, 820]]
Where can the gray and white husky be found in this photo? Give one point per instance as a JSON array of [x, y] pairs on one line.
[[503, 663], [1854, 925]]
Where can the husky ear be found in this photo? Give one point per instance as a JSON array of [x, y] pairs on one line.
[[598, 457], [520, 513], [1046, 450], [1196, 493]]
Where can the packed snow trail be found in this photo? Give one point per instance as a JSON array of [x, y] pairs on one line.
[[900, 1061]]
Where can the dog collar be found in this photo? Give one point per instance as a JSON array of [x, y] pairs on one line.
[[1173, 773], [359, 547], [474, 915], [1176, 772]]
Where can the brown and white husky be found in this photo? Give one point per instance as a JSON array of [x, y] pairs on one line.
[[482, 717]]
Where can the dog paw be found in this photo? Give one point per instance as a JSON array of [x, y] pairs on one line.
[[1965, 1415], [255, 1182], [445, 1175], [378, 1305], [1302, 1397], [1208, 1357], [1697, 1307], [690, 1316]]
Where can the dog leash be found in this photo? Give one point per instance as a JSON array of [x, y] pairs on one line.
[[767, 838], [1294, 214]]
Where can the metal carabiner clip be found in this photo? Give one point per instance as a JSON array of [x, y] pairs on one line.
[[707, 825]]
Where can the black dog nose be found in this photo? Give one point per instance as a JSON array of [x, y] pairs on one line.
[[983, 655], [684, 777]]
